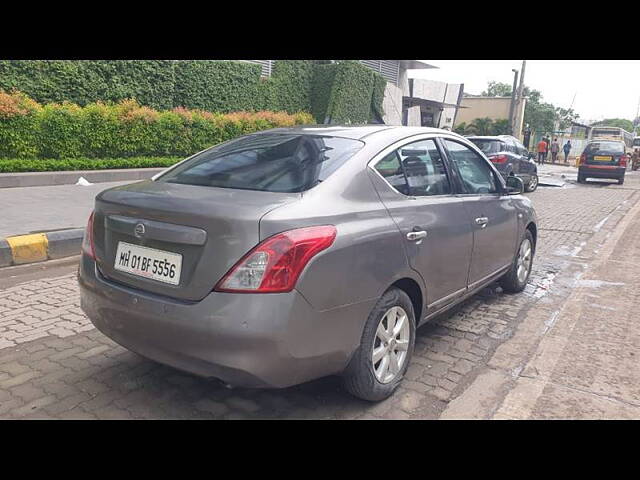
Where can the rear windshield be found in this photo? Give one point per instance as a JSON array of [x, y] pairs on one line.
[[488, 146], [636, 142], [267, 162], [597, 148]]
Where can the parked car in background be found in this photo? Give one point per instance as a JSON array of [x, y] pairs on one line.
[[603, 159], [510, 158], [296, 253]]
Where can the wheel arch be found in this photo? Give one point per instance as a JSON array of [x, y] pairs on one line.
[[415, 294], [532, 227]]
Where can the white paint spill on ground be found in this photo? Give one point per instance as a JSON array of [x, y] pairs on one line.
[[595, 305], [565, 251], [550, 322], [597, 283], [539, 288]]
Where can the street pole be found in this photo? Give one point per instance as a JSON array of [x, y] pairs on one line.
[[513, 99], [519, 118]]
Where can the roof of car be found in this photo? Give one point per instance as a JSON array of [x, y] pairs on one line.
[[356, 132], [488, 137]]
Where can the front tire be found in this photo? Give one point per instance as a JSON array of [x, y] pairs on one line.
[[621, 181], [386, 347], [516, 278]]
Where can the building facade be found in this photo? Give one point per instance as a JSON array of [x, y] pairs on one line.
[[408, 101]]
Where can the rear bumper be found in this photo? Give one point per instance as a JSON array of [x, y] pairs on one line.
[[596, 171], [247, 340]]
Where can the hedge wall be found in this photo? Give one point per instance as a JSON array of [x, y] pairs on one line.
[[124, 129], [218, 86], [321, 87], [345, 91], [151, 82]]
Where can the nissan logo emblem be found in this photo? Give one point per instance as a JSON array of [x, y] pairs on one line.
[[139, 230]]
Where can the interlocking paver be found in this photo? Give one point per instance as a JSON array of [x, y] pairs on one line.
[[73, 371]]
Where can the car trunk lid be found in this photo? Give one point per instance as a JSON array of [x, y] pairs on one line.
[[200, 231]]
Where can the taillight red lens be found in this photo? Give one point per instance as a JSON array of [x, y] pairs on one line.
[[583, 159], [499, 158], [87, 240], [275, 264], [623, 161]]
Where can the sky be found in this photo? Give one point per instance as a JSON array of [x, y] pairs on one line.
[[602, 88]]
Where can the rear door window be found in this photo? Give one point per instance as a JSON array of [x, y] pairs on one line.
[[416, 169], [267, 162]]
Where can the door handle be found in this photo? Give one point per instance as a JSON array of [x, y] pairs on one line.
[[414, 236], [482, 221]]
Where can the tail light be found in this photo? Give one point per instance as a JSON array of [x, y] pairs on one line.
[[623, 160], [274, 265], [583, 159], [499, 158], [87, 239]]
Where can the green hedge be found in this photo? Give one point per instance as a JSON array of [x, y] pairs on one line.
[[217, 86], [321, 87], [123, 129], [151, 82], [50, 165], [345, 91]]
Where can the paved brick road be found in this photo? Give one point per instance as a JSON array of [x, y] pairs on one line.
[[54, 364]]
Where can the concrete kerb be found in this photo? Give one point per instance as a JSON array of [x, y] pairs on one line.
[[38, 247], [39, 179]]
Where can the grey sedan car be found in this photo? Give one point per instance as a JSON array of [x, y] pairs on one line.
[[292, 254]]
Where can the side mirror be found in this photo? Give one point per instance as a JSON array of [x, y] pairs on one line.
[[514, 186]]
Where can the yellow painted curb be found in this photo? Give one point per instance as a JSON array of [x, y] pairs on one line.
[[28, 248]]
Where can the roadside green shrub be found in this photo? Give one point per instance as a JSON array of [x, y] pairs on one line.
[[18, 125], [59, 130], [100, 129], [49, 165], [123, 129]]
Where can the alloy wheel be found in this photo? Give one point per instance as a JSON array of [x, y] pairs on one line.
[[390, 345], [524, 260]]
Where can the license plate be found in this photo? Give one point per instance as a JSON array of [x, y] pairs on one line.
[[149, 263], [602, 158]]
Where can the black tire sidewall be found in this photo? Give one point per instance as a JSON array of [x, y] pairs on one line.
[[359, 376], [510, 282]]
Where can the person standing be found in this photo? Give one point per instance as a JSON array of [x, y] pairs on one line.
[[555, 148], [567, 149], [542, 151]]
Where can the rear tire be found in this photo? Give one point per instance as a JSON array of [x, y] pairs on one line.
[[367, 376], [516, 278], [581, 178], [621, 181]]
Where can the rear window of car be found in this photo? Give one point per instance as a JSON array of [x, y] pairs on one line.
[[488, 146], [267, 162], [597, 148]]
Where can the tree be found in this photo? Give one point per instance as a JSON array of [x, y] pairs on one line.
[[540, 116], [565, 116], [500, 127], [615, 122], [460, 128], [480, 126], [497, 89]]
